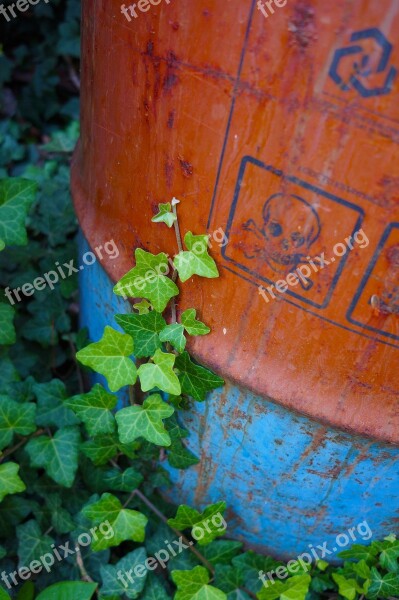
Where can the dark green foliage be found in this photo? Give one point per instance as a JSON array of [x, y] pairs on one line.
[[74, 463]]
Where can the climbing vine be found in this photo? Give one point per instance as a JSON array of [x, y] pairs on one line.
[[86, 480]]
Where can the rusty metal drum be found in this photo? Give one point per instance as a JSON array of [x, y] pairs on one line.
[[276, 123]]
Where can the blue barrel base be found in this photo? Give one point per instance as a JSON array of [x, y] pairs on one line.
[[291, 484]]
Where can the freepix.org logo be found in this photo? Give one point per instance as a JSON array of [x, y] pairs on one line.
[[364, 66]]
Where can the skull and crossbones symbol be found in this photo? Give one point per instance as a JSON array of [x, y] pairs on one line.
[[290, 226]]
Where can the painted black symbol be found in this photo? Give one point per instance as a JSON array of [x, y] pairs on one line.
[[364, 65], [379, 288], [290, 226]]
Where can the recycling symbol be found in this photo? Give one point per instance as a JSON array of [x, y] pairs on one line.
[[356, 67]]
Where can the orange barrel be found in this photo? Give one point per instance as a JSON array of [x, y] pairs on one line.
[[276, 123]]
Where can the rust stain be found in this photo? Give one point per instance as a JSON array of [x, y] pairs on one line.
[[186, 167], [171, 119], [301, 26]]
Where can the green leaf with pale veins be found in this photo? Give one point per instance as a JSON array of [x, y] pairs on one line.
[[389, 557], [94, 409], [191, 324], [144, 330], [16, 198], [221, 551], [143, 307], [160, 374], [174, 334], [51, 410], [101, 449], [122, 481], [111, 357], [112, 584], [145, 421], [7, 330], [165, 215], [147, 280], [154, 589], [194, 585], [295, 588], [196, 381], [359, 552], [383, 586], [126, 524], [68, 590], [57, 455], [347, 587], [195, 261], [15, 417], [206, 526], [32, 543], [10, 481]]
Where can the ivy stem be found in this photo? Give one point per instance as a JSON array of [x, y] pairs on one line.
[[20, 443], [176, 225], [82, 568], [154, 509]]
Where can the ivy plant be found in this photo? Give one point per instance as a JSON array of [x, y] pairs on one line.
[[82, 476]]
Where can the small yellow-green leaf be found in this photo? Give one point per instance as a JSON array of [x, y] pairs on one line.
[[111, 357], [160, 374]]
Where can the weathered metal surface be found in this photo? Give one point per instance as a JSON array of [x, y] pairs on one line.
[[289, 481], [283, 131], [251, 121]]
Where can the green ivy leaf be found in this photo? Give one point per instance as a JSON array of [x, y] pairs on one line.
[[57, 455], [4, 595], [195, 261], [174, 334], [348, 588], [221, 551], [15, 418], [179, 456], [200, 522], [359, 552], [111, 357], [144, 330], [154, 589], [60, 518], [383, 586], [230, 580], [131, 587], [145, 421], [127, 524], [7, 331], [295, 588], [26, 592], [51, 410], [160, 374], [196, 381], [122, 481], [101, 449], [10, 482], [94, 409], [143, 307], [147, 280], [68, 590], [322, 564], [16, 197], [165, 215], [192, 325], [32, 543], [361, 569], [193, 585], [389, 557]]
